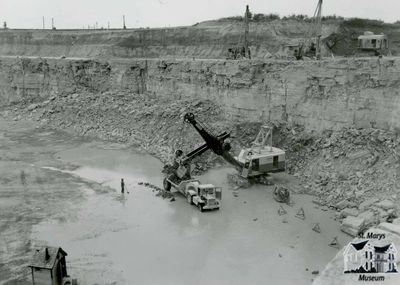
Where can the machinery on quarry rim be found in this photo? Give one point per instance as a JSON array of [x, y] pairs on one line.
[[252, 163], [370, 44], [311, 46], [242, 50]]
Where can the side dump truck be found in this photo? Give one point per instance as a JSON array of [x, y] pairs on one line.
[[204, 196]]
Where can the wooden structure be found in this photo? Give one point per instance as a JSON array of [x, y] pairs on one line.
[[311, 45], [300, 214], [316, 228], [247, 16], [318, 29], [335, 243], [242, 50], [48, 267]]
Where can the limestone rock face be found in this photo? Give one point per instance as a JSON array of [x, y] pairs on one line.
[[331, 94]]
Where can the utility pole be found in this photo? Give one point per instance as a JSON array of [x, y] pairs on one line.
[[318, 29], [43, 22], [108, 25], [123, 19], [246, 32]]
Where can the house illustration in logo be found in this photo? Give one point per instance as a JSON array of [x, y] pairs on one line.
[[364, 257]]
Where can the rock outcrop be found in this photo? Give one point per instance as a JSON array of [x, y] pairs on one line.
[[326, 95]]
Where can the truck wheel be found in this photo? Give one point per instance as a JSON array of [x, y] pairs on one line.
[[200, 205], [189, 199], [167, 185]]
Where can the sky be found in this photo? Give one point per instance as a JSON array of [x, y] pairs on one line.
[[165, 13]]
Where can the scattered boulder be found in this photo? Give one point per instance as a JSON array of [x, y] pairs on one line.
[[238, 181], [343, 204], [367, 203], [358, 154], [392, 228], [352, 225], [385, 204], [32, 107], [368, 217], [349, 212]]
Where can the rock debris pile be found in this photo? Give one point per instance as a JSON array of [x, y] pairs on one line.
[[160, 192], [354, 171]]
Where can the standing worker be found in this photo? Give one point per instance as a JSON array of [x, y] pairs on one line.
[[122, 185]]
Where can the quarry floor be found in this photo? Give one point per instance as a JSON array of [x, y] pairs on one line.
[[63, 190]]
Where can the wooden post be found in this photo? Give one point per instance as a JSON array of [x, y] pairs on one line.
[[319, 30], [246, 32]]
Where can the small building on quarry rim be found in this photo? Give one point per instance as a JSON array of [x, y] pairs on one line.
[[371, 41], [48, 266]]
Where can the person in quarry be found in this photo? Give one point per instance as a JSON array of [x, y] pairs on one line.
[[122, 185]]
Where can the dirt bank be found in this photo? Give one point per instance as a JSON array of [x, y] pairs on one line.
[[205, 40], [209, 39]]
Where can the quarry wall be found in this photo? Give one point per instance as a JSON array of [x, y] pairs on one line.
[[210, 39], [329, 94], [138, 43]]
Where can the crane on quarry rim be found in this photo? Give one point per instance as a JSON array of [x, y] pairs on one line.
[[252, 163], [242, 50], [311, 47]]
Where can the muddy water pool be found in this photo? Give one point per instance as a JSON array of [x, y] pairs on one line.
[[139, 238]]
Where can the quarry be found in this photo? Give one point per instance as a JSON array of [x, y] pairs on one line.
[[81, 109]]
